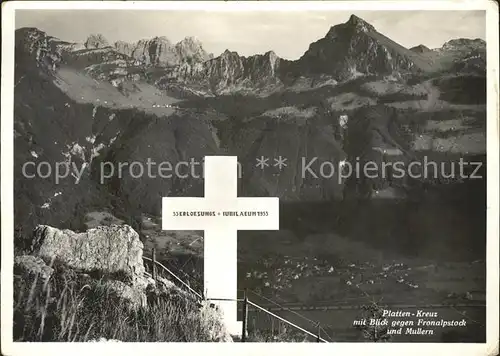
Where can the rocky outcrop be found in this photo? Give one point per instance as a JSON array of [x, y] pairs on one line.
[[262, 67], [97, 265], [95, 41], [125, 48], [113, 253], [191, 50], [36, 47], [229, 72], [464, 44], [223, 71], [160, 52], [111, 250]]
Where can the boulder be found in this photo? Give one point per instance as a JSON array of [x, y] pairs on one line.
[[113, 254], [105, 249]]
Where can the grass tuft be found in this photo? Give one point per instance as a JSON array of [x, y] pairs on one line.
[[71, 308]]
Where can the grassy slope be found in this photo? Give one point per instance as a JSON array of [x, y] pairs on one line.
[[69, 308], [421, 62]]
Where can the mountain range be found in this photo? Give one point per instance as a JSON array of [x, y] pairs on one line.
[[348, 50]]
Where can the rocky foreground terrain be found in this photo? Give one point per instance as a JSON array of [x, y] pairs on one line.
[[354, 94], [93, 286]]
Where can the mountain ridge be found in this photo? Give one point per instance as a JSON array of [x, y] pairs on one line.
[[346, 51]]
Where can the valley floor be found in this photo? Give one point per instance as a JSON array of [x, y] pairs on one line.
[[328, 278]]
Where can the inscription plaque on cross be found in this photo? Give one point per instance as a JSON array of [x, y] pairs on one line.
[[230, 213]]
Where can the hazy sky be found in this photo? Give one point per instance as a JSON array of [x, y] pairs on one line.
[[287, 33]]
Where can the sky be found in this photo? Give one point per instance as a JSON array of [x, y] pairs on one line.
[[286, 33]]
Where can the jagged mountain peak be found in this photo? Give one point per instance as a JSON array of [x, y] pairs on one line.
[[191, 40], [227, 53], [355, 48], [161, 38], [158, 40], [32, 30], [191, 49], [464, 43], [160, 51], [354, 24], [190, 43], [359, 23], [96, 40], [26, 36], [271, 54], [420, 49]]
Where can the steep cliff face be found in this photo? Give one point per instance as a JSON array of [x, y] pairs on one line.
[[125, 48], [161, 52], [190, 49], [96, 41], [222, 71], [229, 72], [34, 48], [158, 51], [261, 67]]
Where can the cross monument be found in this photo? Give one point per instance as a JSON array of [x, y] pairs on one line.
[[223, 215]]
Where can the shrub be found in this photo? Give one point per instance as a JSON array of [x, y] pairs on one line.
[[376, 333]]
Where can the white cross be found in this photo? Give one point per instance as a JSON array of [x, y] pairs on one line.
[[220, 237]]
